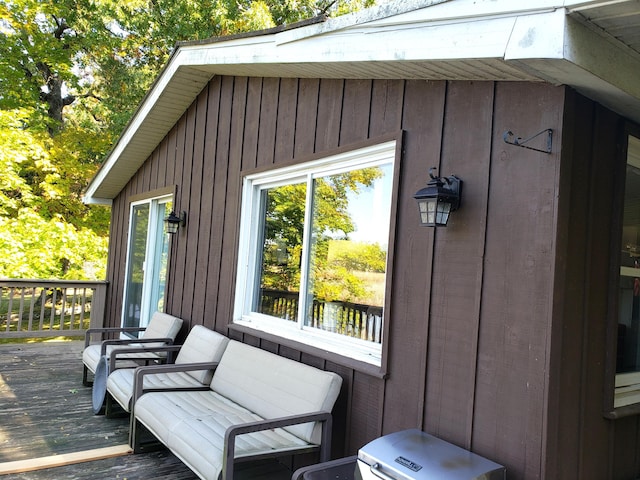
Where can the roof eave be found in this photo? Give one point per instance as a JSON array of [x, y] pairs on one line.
[[535, 46]]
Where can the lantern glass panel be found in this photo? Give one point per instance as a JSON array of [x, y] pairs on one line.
[[172, 227], [427, 208], [442, 216]]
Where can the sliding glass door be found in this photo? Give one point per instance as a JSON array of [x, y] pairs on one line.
[[147, 255]]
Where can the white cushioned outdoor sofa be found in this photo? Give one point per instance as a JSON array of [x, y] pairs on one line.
[[258, 405]]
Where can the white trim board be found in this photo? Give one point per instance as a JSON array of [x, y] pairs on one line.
[[63, 459]]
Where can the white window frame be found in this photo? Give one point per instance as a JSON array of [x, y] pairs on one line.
[[248, 271]]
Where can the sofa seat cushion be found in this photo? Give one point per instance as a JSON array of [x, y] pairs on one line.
[[160, 412], [91, 356], [120, 383], [198, 443], [193, 425]]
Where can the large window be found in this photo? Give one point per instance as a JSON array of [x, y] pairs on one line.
[[313, 251], [628, 345]]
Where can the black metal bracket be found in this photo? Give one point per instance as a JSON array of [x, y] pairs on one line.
[[509, 138]]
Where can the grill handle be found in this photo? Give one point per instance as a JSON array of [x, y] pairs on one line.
[[375, 470]]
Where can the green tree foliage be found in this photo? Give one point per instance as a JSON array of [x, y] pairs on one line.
[[358, 256], [33, 247], [334, 279], [71, 74], [22, 151], [336, 261]]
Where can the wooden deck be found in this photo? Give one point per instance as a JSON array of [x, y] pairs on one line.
[[45, 411]]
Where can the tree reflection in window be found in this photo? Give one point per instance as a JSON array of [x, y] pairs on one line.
[[346, 259], [283, 227]]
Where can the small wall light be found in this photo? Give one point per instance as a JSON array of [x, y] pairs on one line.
[[438, 199], [173, 222]]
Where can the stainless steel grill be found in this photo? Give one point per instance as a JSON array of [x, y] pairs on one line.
[[406, 455], [415, 455]]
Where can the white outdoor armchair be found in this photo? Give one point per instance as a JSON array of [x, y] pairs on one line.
[[161, 330]]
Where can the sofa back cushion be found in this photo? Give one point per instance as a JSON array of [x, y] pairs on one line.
[[162, 325], [273, 386], [202, 346]]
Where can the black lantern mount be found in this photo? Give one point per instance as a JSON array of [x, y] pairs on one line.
[[173, 222], [438, 199]]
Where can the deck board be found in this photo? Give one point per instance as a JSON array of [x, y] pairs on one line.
[[45, 411]]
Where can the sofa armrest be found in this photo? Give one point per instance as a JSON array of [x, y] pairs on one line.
[[102, 330], [233, 431], [140, 372]]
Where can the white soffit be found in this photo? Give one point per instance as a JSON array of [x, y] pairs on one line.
[[162, 107], [511, 40]]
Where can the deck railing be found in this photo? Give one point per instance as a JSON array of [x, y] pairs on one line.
[[346, 318], [50, 308]]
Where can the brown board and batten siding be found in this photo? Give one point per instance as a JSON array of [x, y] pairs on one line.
[[458, 266], [477, 317], [516, 299]]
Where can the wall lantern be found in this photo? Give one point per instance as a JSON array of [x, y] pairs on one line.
[[438, 199], [173, 222]]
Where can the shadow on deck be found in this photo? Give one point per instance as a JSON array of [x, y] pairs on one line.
[[46, 411]]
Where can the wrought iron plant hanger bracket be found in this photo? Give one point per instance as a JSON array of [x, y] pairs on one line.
[[511, 139]]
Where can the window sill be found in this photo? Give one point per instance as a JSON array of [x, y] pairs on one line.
[[357, 365], [622, 412]]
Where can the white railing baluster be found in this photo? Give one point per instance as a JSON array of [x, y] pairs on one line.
[[83, 306], [21, 310], [10, 308], [54, 296], [43, 300], [31, 305]]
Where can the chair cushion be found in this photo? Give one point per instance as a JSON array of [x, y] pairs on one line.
[[162, 325], [202, 345], [91, 356], [273, 386]]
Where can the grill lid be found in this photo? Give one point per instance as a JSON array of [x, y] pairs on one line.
[[413, 454]]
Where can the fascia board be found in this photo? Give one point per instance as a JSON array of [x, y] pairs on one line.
[[440, 41], [427, 42], [412, 12], [237, 51], [567, 52], [384, 14], [468, 10], [537, 36]]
